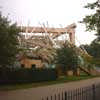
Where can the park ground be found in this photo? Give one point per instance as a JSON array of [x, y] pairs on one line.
[[37, 93]]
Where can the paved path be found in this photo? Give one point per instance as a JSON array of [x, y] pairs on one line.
[[37, 93]]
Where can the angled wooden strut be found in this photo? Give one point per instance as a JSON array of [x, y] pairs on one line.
[[55, 31]]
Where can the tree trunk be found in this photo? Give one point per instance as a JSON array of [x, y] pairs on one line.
[[69, 73]]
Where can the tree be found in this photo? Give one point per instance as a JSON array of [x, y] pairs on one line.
[[92, 21], [95, 48], [46, 54], [67, 57], [8, 41], [87, 48]]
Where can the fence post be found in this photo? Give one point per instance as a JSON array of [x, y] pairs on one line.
[[47, 98], [62, 96], [51, 97], [59, 96], [55, 96], [65, 95], [94, 93]]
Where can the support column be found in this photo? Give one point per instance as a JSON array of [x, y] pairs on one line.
[[72, 36]]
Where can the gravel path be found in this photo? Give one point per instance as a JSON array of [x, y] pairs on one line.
[[39, 92]]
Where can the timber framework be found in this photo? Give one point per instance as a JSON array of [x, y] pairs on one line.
[[53, 32]]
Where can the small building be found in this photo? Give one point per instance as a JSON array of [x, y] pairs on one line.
[[31, 62]]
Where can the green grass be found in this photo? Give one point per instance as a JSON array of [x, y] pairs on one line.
[[60, 80]]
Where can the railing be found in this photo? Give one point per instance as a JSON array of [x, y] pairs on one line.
[[85, 93]]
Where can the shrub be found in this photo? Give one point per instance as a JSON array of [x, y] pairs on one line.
[[27, 75], [67, 58]]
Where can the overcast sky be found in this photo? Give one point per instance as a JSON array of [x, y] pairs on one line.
[[57, 12]]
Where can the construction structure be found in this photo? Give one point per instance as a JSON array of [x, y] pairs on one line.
[[42, 37], [46, 38], [53, 32]]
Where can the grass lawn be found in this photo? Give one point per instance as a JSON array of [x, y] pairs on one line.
[[60, 80]]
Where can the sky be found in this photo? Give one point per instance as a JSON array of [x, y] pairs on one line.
[[55, 13]]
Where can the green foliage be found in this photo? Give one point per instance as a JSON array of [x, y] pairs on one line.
[[8, 41], [92, 5], [92, 21], [93, 49], [40, 84], [67, 57], [96, 61], [24, 75]]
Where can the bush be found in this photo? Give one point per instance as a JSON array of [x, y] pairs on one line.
[[67, 57], [96, 61], [22, 75]]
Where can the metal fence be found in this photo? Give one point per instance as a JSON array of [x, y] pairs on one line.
[[85, 93]]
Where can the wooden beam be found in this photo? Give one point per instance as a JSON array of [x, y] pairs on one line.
[[49, 30]]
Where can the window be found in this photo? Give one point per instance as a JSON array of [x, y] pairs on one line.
[[22, 65], [33, 66]]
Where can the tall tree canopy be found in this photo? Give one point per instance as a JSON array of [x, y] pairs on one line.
[[92, 23], [67, 57], [8, 41]]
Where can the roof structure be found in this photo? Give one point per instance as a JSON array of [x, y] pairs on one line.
[[49, 30], [52, 33]]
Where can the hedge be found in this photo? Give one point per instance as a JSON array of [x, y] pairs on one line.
[[26, 75]]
